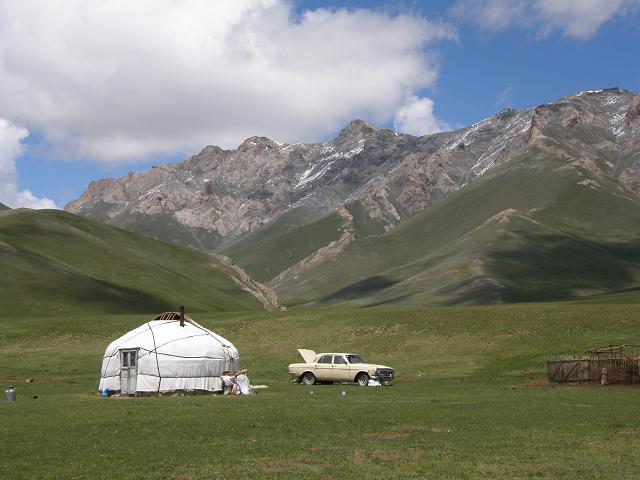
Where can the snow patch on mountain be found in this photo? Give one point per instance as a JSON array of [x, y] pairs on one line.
[[309, 175]]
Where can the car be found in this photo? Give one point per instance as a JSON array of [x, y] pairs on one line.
[[337, 367]]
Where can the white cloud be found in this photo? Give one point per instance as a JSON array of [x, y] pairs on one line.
[[116, 81], [491, 14], [578, 19], [10, 150], [416, 117], [504, 97]]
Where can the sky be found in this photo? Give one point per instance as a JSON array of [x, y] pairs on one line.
[[97, 89]]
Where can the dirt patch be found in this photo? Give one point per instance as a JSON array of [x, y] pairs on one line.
[[384, 435], [393, 457], [279, 467], [546, 384], [359, 456], [536, 384], [324, 449], [411, 378], [518, 333], [441, 430], [385, 330]]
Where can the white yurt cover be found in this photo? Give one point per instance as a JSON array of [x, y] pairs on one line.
[[171, 358]]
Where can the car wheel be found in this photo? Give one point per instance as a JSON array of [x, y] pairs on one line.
[[363, 379], [308, 378]]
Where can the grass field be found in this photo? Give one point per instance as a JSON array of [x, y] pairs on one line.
[[470, 401]]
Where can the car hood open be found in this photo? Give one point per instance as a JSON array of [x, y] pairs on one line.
[[308, 355]]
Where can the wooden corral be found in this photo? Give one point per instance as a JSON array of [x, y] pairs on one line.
[[614, 364]]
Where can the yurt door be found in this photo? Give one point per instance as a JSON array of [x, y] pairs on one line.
[[128, 371]]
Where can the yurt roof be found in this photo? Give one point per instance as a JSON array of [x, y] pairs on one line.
[[171, 316], [165, 334]]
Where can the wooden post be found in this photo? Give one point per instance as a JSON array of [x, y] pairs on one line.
[[182, 315], [604, 380]]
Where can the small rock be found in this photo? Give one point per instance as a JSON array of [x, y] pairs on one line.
[[29, 380]]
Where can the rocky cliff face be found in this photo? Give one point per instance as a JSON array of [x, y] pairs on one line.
[[218, 196]]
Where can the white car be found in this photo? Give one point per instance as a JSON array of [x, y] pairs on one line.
[[338, 367]]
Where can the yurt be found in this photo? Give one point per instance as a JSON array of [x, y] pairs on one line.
[[171, 353]]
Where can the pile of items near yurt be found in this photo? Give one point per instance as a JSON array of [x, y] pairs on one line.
[[172, 354]]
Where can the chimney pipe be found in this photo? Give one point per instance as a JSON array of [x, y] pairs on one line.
[[182, 315]]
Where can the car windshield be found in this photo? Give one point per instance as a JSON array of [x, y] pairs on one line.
[[355, 359]]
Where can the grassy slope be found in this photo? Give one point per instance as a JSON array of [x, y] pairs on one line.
[[567, 240], [54, 262], [163, 226], [283, 243], [470, 400]]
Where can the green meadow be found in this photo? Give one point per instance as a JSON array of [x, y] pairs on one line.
[[470, 400]]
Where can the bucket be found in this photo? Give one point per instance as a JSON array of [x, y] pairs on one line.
[[10, 394]]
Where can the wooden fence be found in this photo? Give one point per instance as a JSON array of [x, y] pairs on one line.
[[595, 366]]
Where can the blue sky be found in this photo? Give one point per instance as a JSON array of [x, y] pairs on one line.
[[482, 55]]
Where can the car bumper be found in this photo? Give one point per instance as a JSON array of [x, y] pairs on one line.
[[385, 375]]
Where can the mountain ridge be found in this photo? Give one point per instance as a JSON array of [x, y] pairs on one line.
[[279, 208]]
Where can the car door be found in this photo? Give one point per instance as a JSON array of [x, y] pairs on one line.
[[340, 370], [323, 368]]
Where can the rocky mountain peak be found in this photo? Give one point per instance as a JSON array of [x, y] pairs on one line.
[[218, 196], [210, 150], [256, 142], [356, 130], [505, 113]]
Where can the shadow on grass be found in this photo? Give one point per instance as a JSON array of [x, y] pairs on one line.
[[79, 293], [553, 267], [366, 287], [473, 291]]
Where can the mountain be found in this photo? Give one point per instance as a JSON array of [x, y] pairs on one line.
[[380, 216], [3, 207], [54, 262], [526, 233], [218, 196]]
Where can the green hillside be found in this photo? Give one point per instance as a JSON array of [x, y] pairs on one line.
[[529, 232], [280, 244], [167, 228], [53, 262]]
